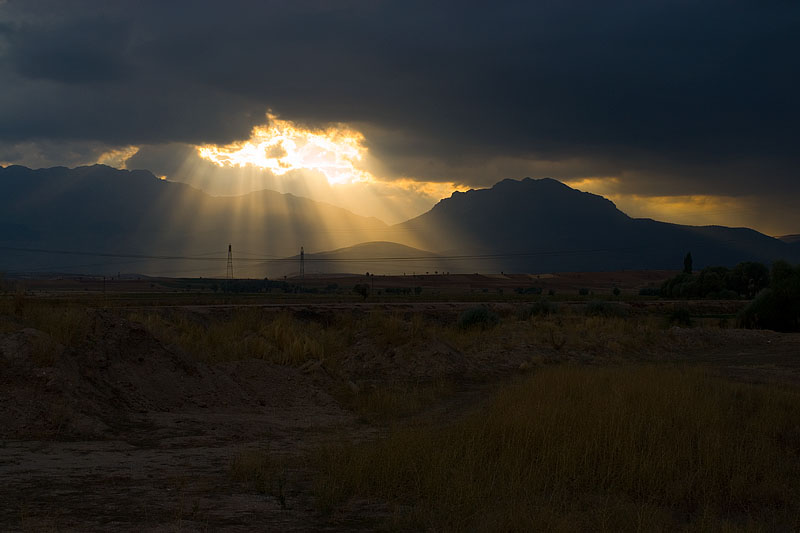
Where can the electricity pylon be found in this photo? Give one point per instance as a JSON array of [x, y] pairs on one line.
[[302, 263], [229, 271]]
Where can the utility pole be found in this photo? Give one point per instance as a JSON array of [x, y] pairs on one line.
[[229, 270], [302, 264]]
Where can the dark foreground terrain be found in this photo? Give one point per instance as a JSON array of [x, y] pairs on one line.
[[347, 416]]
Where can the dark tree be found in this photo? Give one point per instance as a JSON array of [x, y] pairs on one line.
[[362, 289], [687, 263], [748, 278]]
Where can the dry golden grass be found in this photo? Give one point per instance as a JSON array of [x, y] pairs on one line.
[[390, 403], [608, 337], [45, 351], [283, 338], [597, 335], [389, 329], [577, 448], [261, 472], [67, 323], [245, 334]]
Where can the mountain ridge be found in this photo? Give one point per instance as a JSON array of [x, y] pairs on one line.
[[528, 225], [575, 230], [103, 210]]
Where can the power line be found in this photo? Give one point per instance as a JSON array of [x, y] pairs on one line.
[[431, 257], [109, 254]]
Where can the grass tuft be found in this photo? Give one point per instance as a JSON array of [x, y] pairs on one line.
[[478, 318], [681, 316], [605, 309], [247, 334], [385, 403], [540, 308], [261, 472], [67, 323]]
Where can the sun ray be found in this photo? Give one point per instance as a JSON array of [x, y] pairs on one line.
[[331, 165]]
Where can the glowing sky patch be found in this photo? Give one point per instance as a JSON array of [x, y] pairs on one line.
[[281, 146], [683, 209], [431, 189], [117, 157]]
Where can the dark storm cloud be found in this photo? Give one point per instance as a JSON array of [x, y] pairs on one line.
[[82, 51], [696, 94]]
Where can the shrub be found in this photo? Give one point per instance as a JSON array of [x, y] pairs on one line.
[[362, 289], [680, 316], [583, 292], [770, 310], [777, 307], [650, 291], [746, 279], [478, 317], [606, 309], [540, 308], [725, 294], [528, 290]]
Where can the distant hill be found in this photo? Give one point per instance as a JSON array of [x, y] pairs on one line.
[[101, 210], [543, 225], [790, 239], [378, 257]]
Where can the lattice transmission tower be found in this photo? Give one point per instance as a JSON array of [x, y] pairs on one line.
[[302, 263], [229, 270]]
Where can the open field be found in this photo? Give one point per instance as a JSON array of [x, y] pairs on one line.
[[434, 286], [402, 412]]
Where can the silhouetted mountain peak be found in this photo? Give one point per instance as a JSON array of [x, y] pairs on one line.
[[543, 224], [548, 197]]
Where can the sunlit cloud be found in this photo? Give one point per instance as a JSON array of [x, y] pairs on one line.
[[433, 190], [331, 165], [684, 209], [282, 146], [692, 209], [604, 186], [117, 157]]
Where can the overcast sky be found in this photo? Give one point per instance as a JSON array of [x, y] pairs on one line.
[[682, 110]]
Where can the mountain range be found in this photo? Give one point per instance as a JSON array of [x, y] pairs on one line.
[[102, 220]]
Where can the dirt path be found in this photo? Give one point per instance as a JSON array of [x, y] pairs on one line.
[[173, 475], [747, 355]]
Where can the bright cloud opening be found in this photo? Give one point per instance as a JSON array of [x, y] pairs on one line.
[[117, 157], [281, 146]]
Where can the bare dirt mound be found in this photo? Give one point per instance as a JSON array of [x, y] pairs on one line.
[[124, 433], [119, 377]]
